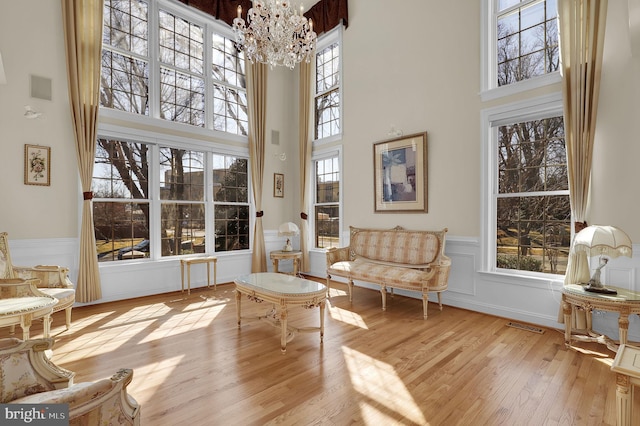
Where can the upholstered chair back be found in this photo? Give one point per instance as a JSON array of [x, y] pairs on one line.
[[6, 270]]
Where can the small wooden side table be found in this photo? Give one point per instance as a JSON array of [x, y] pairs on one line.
[[194, 260], [626, 365], [625, 303], [278, 255]]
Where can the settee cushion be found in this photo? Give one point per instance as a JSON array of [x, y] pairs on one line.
[[396, 246], [65, 296], [387, 275], [18, 378]]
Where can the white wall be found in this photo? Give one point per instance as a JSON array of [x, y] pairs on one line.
[[422, 73]]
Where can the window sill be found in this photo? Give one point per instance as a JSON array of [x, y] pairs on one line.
[[523, 279], [521, 86]]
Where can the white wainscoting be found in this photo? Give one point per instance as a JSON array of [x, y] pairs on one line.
[[519, 298]]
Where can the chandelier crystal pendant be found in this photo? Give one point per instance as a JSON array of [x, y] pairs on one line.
[[275, 34]]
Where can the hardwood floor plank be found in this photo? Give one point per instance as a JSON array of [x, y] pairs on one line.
[[193, 365]]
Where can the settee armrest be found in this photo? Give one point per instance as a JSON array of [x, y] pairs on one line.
[[51, 276], [337, 255], [105, 401], [440, 279], [26, 368], [19, 287]]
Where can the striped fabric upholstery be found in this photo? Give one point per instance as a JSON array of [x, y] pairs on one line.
[[390, 276], [393, 258], [418, 248]]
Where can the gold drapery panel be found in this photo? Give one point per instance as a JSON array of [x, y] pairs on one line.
[[82, 20], [305, 140], [257, 105], [582, 29]]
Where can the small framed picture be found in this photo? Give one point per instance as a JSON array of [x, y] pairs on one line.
[[37, 165], [278, 185]]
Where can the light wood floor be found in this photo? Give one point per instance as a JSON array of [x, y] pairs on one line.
[[193, 366]]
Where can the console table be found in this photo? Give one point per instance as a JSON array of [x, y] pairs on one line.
[[625, 303], [193, 260]]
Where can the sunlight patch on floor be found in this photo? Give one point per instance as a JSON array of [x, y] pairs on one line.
[[184, 322], [377, 381], [373, 416], [154, 374], [347, 317]]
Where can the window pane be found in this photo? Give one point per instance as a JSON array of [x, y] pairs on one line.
[[120, 170], [230, 110], [182, 97], [181, 174], [327, 115], [527, 41], [327, 198], [230, 179], [125, 74], [532, 157], [183, 229], [232, 227], [327, 226], [126, 26], [533, 231], [121, 230], [124, 83], [529, 240], [327, 98], [230, 94], [327, 181], [181, 43]]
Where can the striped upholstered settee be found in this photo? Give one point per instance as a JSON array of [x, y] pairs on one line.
[[393, 258]]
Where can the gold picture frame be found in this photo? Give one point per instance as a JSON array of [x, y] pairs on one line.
[[37, 165], [278, 185], [400, 174]]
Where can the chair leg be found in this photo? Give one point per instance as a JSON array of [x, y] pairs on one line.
[[67, 316]]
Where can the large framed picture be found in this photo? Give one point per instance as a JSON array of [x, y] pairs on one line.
[[400, 174], [37, 165]]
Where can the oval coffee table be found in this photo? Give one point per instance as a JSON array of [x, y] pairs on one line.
[[282, 290]]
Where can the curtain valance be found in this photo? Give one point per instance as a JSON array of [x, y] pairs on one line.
[[326, 14]]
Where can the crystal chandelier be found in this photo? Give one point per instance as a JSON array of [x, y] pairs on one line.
[[275, 34]]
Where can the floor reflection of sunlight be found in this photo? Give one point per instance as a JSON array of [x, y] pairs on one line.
[[153, 374], [183, 322], [347, 317], [379, 382]]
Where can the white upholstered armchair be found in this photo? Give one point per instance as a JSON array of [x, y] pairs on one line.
[[48, 279], [27, 376]]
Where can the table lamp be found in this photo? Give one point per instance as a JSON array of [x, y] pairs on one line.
[[289, 229], [605, 241]]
